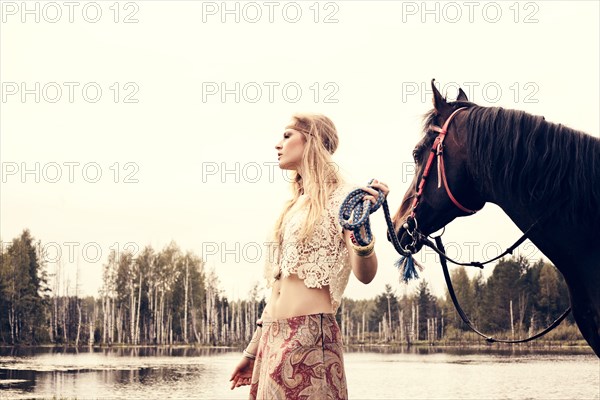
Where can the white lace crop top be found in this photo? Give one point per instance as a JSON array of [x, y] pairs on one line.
[[320, 260]]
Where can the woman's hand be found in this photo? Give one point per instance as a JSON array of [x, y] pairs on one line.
[[242, 374], [375, 184]]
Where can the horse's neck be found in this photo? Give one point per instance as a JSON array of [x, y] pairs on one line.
[[557, 163]]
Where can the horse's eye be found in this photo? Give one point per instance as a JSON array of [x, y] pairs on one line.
[[415, 155]]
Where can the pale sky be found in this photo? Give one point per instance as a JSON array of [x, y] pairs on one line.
[[192, 103]]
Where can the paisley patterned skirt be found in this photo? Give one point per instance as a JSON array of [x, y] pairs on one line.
[[300, 358]]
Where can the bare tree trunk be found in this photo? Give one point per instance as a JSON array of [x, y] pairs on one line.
[[185, 307], [209, 312], [137, 322], [11, 322], [428, 331], [17, 328], [78, 304], [54, 318], [170, 329], [65, 305], [132, 313], [522, 308], [193, 311], [220, 326], [54, 312], [512, 322], [104, 318], [119, 325], [152, 311], [363, 326], [389, 315], [417, 322], [78, 322], [401, 319], [112, 320], [413, 322], [158, 319], [162, 317], [91, 323]]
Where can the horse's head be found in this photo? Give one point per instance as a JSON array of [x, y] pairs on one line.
[[430, 203]]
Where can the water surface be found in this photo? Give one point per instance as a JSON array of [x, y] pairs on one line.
[[373, 373]]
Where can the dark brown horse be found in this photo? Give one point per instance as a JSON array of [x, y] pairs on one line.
[[544, 176]]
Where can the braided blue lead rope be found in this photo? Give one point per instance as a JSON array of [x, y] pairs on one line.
[[354, 205]]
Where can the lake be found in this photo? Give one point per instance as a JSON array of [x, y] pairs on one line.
[[372, 373]]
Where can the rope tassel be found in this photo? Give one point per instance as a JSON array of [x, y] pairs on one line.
[[406, 265]]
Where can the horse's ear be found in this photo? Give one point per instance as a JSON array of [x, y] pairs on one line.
[[461, 95], [439, 102]]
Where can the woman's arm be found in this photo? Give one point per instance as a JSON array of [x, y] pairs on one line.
[[242, 373], [364, 268], [253, 345]]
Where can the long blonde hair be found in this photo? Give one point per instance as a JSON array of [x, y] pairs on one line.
[[320, 175]]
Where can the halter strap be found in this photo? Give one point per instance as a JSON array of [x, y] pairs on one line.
[[437, 149], [442, 131]]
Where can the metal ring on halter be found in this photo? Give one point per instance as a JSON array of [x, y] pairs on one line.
[[412, 234], [407, 250], [440, 235]]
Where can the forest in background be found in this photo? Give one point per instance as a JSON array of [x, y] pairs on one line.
[[167, 296]]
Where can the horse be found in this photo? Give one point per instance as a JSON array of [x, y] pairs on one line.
[[544, 176]]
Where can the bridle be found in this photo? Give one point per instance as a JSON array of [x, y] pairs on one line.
[[411, 227], [437, 150], [360, 209]]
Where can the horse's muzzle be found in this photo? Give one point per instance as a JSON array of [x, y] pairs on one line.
[[409, 236]]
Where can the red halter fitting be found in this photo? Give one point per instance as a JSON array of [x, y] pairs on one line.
[[438, 149]]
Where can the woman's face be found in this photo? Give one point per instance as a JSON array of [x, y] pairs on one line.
[[290, 149]]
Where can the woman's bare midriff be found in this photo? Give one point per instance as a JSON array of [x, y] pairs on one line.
[[291, 298]]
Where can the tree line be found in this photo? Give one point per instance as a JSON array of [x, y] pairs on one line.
[[169, 297]]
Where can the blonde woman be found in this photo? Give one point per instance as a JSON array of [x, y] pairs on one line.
[[296, 350]]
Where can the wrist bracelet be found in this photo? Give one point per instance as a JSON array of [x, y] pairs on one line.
[[365, 254], [368, 255], [249, 355], [363, 251]]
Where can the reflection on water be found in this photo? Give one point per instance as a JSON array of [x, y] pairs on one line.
[[504, 350], [175, 351], [374, 372]]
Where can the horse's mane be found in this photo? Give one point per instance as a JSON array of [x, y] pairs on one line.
[[544, 165]]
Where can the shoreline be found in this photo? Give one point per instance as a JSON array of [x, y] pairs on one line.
[[578, 346]]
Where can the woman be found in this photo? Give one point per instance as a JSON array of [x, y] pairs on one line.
[[296, 350]]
